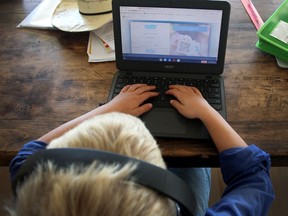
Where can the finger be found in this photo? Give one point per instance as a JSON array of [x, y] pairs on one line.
[[125, 88], [170, 91], [178, 90], [145, 96], [174, 92], [144, 89], [142, 109], [184, 88], [176, 104], [134, 87], [196, 91], [175, 86]]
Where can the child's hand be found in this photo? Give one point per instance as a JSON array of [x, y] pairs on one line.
[[130, 100], [190, 102]]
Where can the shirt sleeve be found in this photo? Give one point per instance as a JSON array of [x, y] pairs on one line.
[[27, 150], [249, 189]]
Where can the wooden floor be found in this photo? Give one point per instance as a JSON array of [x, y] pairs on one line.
[[279, 177]]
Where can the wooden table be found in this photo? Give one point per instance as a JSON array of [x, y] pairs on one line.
[[46, 80]]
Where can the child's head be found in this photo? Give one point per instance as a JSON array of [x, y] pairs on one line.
[[96, 189]]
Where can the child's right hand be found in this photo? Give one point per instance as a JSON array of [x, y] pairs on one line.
[[190, 102]]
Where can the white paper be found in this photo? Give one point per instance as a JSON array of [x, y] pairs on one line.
[[281, 32], [41, 16], [106, 34], [96, 52]]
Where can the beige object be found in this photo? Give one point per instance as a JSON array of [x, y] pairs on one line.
[[94, 7], [67, 17]]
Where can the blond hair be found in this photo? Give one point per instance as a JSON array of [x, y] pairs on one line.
[[115, 132], [96, 189]]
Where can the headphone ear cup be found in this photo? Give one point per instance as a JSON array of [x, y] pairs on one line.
[[146, 174]]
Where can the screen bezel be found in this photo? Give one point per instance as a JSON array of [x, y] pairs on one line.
[[213, 69]]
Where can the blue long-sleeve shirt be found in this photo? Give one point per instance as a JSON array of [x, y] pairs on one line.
[[249, 188], [245, 171]]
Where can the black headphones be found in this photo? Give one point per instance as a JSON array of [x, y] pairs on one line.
[[146, 174]]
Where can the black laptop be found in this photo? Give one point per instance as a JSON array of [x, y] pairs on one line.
[[163, 42]]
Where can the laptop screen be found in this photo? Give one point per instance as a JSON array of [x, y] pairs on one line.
[[186, 36], [175, 35]]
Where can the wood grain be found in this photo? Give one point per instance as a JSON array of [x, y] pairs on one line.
[[46, 80]]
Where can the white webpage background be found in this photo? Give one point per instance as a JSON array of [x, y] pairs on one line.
[[150, 38]]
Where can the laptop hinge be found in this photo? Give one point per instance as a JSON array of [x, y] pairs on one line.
[[208, 76]]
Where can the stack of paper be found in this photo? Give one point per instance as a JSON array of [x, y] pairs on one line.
[[273, 35], [101, 44]]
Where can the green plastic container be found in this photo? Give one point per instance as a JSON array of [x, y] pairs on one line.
[[267, 42]]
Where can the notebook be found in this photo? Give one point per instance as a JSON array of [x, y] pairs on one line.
[[174, 42]]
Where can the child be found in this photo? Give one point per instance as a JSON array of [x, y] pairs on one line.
[[245, 168]]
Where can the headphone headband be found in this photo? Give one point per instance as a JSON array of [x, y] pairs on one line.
[[145, 174]]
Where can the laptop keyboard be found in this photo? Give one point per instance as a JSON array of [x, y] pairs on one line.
[[210, 88]]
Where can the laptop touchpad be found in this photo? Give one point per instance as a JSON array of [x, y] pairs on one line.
[[164, 122]]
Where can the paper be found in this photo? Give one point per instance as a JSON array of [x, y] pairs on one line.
[[96, 51], [41, 16], [281, 32], [101, 44], [106, 34]]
